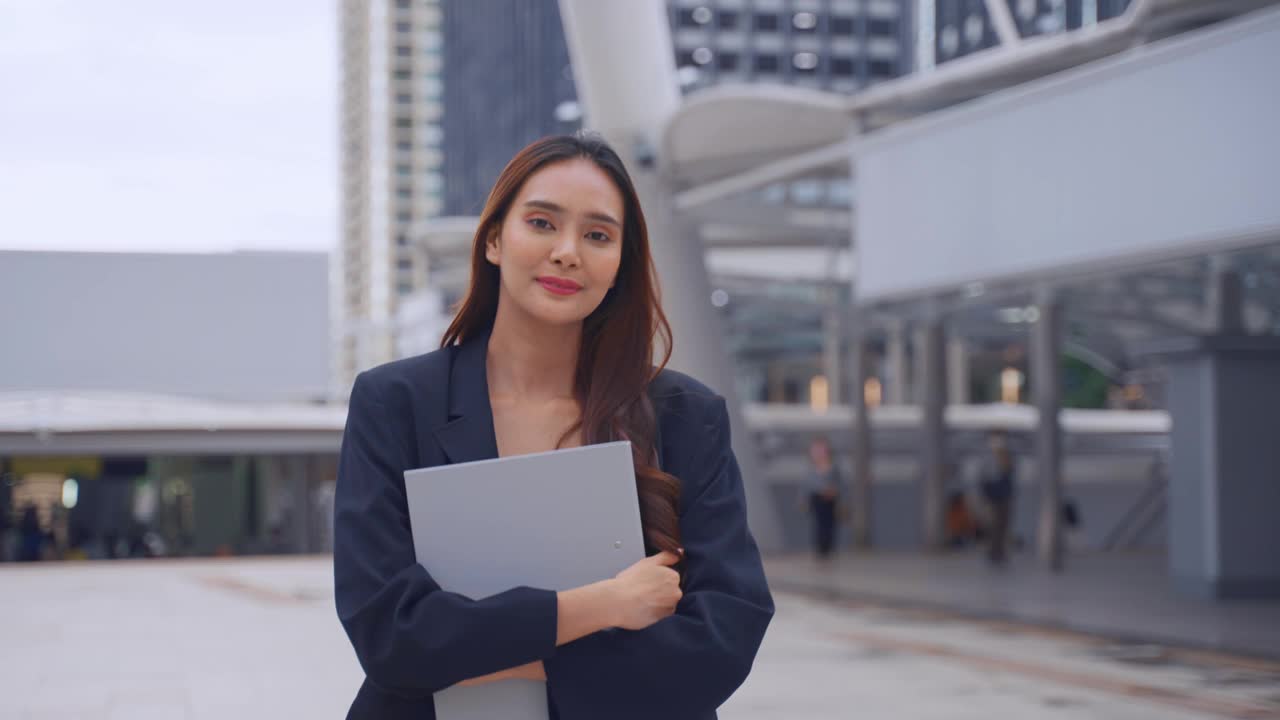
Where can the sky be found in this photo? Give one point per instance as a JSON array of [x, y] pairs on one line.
[[153, 125]]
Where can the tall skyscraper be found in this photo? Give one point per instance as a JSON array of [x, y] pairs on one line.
[[437, 95]]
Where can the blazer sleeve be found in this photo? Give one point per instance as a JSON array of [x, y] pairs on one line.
[[411, 637], [688, 664]]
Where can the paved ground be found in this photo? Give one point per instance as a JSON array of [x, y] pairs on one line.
[[258, 639], [1122, 595]]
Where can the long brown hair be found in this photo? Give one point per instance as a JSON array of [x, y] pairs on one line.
[[615, 362]]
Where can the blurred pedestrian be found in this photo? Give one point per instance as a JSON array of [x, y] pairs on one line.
[[997, 485], [824, 497], [31, 535]]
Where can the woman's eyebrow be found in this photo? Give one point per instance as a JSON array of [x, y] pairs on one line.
[[553, 207]]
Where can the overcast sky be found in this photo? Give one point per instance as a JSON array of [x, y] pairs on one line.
[[169, 126]]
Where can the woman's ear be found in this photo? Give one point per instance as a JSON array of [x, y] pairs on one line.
[[491, 249]]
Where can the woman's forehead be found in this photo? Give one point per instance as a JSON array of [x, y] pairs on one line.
[[579, 186]]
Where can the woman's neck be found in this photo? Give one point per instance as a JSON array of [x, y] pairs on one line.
[[532, 361]]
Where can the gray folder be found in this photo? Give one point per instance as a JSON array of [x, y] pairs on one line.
[[555, 520]]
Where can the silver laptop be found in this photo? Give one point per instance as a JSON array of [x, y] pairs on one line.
[[555, 520]]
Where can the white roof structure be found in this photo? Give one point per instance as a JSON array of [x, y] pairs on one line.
[[76, 422]]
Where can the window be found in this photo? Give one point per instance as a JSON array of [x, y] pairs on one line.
[[404, 288], [684, 58], [404, 98], [693, 17], [404, 122], [881, 69], [842, 66], [766, 63], [404, 27], [404, 217], [766, 22], [727, 20], [841, 25], [805, 22], [805, 62], [404, 146], [882, 27], [402, 240], [404, 193], [404, 264], [402, 4], [727, 62], [404, 170], [404, 51], [402, 74]]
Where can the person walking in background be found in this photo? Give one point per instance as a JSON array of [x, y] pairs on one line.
[[31, 535], [997, 485], [824, 497]]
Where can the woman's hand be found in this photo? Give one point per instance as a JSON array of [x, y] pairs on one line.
[[531, 671], [647, 591]]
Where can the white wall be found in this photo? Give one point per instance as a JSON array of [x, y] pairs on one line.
[[244, 325]]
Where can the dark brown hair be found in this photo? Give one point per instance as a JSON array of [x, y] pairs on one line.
[[615, 362]]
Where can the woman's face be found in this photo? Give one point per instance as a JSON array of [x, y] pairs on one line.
[[560, 245]]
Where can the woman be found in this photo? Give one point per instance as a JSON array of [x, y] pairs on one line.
[[824, 496], [552, 348]]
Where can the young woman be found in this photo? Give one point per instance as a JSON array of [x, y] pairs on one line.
[[552, 348]]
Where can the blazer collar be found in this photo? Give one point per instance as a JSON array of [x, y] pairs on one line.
[[468, 435]]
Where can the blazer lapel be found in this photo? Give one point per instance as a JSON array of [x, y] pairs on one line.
[[468, 435]]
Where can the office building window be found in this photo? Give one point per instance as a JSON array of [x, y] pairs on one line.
[[404, 193], [766, 63], [404, 122], [404, 264], [404, 51], [404, 217], [402, 4], [880, 68], [404, 27], [805, 22], [805, 62], [404, 146], [883, 27], [404, 288], [693, 17], [727, 20], [727, 62], [404, 170], [402, 240], [841, 25], [842, 66], [404, 98], [403, 74], [766, 22], [684, 58]]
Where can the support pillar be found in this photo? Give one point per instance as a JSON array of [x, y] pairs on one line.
[[861, 516], [933, 372], [1046, 377], [895, 386], [833, 325], [1224, 487], [957, 371]]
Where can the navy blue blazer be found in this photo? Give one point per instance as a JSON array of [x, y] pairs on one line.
[[413, 638]]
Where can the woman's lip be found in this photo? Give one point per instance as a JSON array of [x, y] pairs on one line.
[[559, 286]]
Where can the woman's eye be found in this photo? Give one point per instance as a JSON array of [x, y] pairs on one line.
[[598, 236], [540, 223]]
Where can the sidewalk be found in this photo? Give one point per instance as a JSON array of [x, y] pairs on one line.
[[1125, 597]]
